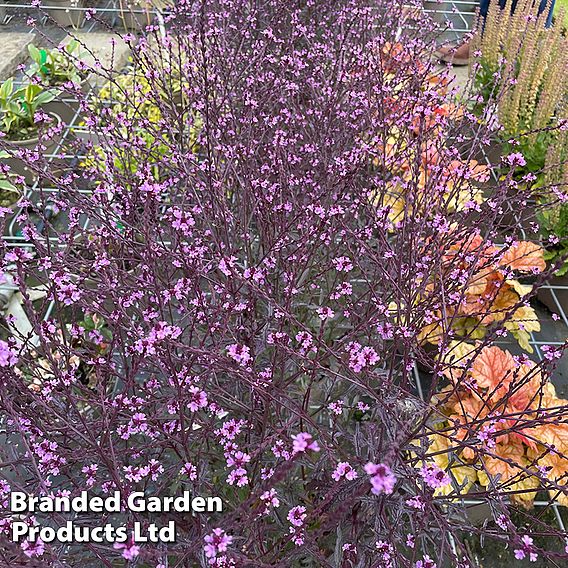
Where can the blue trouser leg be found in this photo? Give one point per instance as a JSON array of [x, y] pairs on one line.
[[484, 7]]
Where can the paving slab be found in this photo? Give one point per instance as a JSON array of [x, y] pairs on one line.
[[461, 75], [14, 50], [106, 48]]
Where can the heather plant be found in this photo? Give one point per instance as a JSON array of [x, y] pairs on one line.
[[251, 318], [553, 218], [526, 64], [518, 55]]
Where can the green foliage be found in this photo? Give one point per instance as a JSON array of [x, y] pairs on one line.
[[128, 96], [131, 97], [92, 322], [534, 150], [18, 108], [484, 83], [554, 222], [55, 67]]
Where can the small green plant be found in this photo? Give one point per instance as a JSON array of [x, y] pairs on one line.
[[129, 96], [56, 67], [96, 332], [144, 114], [19, 107]]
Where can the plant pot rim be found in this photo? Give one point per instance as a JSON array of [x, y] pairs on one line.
[[35, 139]]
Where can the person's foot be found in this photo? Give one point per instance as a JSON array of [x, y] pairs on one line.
[[457, 55]]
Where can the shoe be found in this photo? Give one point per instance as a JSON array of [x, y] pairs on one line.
[[456, 55]]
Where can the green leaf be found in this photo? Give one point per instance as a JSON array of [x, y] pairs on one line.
[[18, 94], [5, 185], [44, 98], [71, 46], [34, 53], [8, 121], [31, 93], [6, 89]]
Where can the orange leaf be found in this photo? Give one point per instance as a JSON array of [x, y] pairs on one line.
[[554, 434], [525, 257], [492, 367], [498, 466]]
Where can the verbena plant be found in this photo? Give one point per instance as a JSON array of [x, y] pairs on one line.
[[249, 323]]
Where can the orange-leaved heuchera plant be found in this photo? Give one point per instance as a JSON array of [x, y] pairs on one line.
[[457, 184], [498, 428], [493, 293]]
